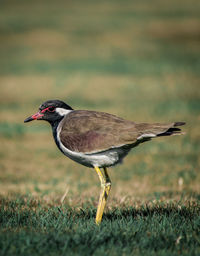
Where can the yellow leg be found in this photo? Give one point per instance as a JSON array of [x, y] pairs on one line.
[[105, 189]]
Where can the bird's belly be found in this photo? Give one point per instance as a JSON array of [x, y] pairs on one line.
[[106, 158]]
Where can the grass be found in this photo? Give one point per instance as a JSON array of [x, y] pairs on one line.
[[131, 230], [130, 58]]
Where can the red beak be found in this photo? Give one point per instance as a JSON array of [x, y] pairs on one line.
[[36, 116]]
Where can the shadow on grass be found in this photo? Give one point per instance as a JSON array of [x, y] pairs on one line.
[[187, 206], [146, 210]]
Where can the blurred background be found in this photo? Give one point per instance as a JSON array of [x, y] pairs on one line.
[[136, 59]]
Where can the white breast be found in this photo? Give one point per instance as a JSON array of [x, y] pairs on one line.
[[101, 159]]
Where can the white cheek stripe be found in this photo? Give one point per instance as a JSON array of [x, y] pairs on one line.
[[63, 111]]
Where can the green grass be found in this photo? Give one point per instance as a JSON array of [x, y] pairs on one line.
[[32, 227], [135, 59]]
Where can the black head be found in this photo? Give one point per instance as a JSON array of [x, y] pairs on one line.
[[51, 111]]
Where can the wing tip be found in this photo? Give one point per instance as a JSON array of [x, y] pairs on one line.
[[179, 124], [173, 130]]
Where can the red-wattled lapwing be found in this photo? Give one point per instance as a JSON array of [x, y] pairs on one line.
[[97, 139]]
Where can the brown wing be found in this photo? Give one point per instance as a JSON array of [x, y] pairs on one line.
[[90, 131]]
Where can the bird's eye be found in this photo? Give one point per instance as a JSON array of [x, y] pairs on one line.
[[51, 109]]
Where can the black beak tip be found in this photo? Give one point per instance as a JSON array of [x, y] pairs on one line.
[[28, 119]]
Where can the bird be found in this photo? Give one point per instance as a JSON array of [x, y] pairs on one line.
[[97, 139]]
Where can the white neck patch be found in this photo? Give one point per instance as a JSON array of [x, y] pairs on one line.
[[63, 111]]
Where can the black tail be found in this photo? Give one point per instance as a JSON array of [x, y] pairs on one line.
[[173, 130]]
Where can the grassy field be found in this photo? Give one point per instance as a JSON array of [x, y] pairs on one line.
[[135, 59]]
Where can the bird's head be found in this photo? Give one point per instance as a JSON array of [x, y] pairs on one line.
[[51, 111]]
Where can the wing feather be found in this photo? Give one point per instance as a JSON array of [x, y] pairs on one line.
[[90, 131]]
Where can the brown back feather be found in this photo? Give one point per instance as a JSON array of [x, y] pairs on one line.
[[90, 131]]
